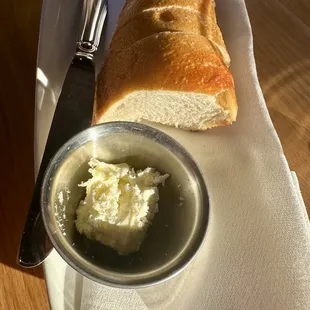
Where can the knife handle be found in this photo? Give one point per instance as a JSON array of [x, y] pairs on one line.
[[73, 114], [93, 16]]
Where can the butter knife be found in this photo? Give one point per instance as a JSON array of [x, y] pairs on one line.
[[73, 114]]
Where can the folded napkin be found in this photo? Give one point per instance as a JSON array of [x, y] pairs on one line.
[[257, 251]]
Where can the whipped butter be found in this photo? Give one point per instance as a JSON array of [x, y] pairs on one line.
[[120, 204]]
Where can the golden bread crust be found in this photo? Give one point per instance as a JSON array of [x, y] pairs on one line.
[[169, 61], [169, 45]]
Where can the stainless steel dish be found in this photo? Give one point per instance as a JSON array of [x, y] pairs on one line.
[[178, 228]]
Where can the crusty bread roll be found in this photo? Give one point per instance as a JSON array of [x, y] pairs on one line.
[[167, 63], [169, 19], [133, 7]]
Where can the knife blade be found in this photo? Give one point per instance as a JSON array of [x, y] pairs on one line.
[[73, 114]]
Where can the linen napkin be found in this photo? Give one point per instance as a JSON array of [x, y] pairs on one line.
[[257, 251]]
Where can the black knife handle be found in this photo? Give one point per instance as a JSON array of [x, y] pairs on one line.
[[73, 114]]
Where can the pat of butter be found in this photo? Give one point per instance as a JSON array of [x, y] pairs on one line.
[[119, 206]]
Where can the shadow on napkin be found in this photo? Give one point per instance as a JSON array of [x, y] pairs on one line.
[[163, 296], [73, 288]]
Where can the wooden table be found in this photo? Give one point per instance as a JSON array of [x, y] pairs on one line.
[[281, 36]]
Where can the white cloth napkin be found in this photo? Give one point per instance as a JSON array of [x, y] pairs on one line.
[[257, 251]]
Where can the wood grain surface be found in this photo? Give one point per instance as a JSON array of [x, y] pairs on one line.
[[281, 31], [19, 26]]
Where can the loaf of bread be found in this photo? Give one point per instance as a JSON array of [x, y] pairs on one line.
[[167, 63]]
